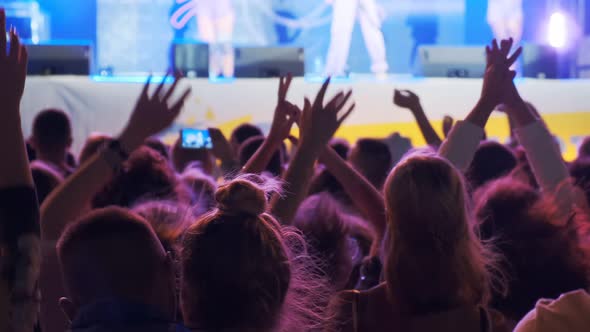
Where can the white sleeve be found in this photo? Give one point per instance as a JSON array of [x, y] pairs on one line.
[[461, 144], [548, 166]]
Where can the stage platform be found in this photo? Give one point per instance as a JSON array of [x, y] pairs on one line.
[[103, 104]]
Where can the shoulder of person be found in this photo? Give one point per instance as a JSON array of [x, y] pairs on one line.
[[570, 312]]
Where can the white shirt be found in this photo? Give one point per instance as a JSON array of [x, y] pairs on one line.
[[570, 312]]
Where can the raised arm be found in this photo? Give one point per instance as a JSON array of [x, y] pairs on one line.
[[465, 136], [543, 153], [409, 100], [19, 211], [286, 114], [150, 116], [318, 125], [367, 199]]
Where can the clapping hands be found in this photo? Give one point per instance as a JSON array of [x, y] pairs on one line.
[[498, 77]]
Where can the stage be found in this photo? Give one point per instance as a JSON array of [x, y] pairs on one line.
[[103, 104]]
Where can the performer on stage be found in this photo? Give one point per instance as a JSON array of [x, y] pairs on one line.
[[506, 19], [215, 21], [344, 18]]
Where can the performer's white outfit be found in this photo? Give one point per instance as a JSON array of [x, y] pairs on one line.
[[344, 18], [506, 19], [215, 20]]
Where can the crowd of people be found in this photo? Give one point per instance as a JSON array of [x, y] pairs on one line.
[[281, 233]]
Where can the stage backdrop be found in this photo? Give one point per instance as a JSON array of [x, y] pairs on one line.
[[105, 106], [135, 35]]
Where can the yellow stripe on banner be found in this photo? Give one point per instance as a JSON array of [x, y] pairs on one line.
[[569, 128]]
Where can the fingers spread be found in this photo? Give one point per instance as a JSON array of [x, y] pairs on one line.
[[319, 100]]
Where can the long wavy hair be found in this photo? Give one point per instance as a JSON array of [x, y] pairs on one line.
[[433, 259]]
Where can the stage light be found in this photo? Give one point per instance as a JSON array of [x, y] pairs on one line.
[[557, 31]]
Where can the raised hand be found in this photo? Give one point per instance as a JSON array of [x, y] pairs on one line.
[[319, 122], [406, 99], [222, 149], [447, 125], [286, 114], [498, 75], [153, 113], [13, 66]]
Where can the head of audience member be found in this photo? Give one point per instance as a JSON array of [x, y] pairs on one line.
[[584, 149], [92, 145], [371, 158], [580, 172], [183, 157], [541, 252], [341, 146], [128, 265], [168, 219], [236, 265], [433, 260], [242, 133], [145, 176], [202, 188], [249, 148], [45, 178], [158, 146], [52, 136], [491, 161], [328, 233], [398, 146]]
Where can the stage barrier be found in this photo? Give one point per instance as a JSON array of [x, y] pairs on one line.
[[103, 105]]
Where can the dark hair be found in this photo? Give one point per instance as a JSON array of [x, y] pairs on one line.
[[372, 158], [341, 146], [327, 231], [249, 148], [202, 188], [168, 219], [145, 176], [584, 150], [158, 146], [45, 178], [52, 130], [580, 172], [238, 268], [244, 132], [92, 145], [182, 158], [543, 256], [491, 161], [95, 238]]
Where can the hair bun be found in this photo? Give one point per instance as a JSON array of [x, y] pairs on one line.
[[241, 196]]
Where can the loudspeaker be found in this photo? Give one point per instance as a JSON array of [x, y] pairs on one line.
[[269, 61], [541, 61], [192, 59], [53, 59], [450, 61]]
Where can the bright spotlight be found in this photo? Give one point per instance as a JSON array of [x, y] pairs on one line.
[[557, 35]]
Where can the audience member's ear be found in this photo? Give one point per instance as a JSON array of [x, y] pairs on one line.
[[68, 308]]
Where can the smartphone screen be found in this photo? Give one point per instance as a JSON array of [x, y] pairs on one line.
[[196, 139]]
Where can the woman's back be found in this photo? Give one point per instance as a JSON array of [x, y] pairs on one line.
[[373, 311]]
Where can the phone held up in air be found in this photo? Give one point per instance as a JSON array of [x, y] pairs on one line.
[[196, 139]]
